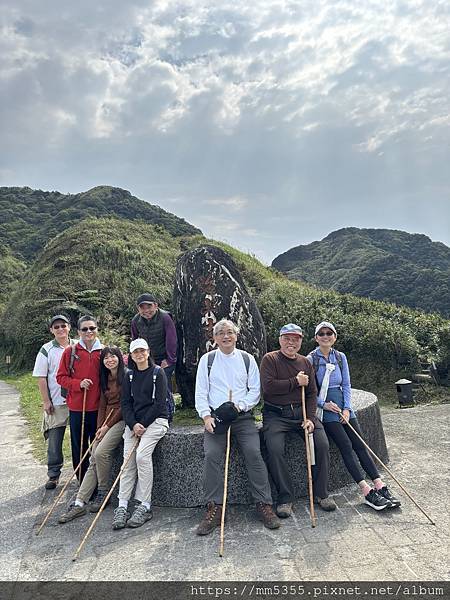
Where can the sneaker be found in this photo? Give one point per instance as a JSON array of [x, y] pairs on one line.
[[139, 516], [211, 520], [121, 516], [267, 516], [385, 492], [74, 512], [327, 504], [284, 510], [97, 502], [52, 483], [376, 500]]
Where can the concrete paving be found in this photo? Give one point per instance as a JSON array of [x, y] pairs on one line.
[[352, 544]]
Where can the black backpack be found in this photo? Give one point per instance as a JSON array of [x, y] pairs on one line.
[[316, 360], [73, 356]]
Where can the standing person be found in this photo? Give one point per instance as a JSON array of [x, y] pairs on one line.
[[144, 410], [157, 328], [79, 370], [333, 378], [236, 371], [283, 373], [107, 438], [56, 413]]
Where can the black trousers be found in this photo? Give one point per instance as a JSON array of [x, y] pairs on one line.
[[347, 441], [275, 428], [90, 427]]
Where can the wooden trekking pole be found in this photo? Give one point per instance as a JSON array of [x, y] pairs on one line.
[[225, 485], [69, 480], [83, 417], [108, 496], [308, 463], [386, 469]]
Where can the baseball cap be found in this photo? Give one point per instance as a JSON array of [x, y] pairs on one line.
[[59, 318], [325, 324], [139, 343], [292, 329], [145, 298]]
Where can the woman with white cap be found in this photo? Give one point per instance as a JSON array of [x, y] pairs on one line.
[[335, 410], [145, 412]]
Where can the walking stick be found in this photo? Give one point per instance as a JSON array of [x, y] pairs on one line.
[[308, 463], [386, 468], [83, 417], [69, 480], [225, 485], [97, 516]]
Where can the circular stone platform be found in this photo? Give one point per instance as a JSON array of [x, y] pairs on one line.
[[178, 460]]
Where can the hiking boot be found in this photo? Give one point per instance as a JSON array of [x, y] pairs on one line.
[[284, 510], [267, 516], [376, 500], [211, 520], [327, 504], [385, 492], [121, 516], [73, 513], [139, 516], [97, 502], [52, 483]]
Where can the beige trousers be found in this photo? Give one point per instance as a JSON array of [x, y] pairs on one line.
[[100, 462], [141, 461]]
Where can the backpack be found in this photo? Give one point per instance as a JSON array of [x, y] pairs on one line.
[[316, 361], [73, 357], [170, 402], [212, 356]]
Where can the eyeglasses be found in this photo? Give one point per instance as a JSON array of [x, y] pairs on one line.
[[224, 333], [328, 333], [62, 326], [84, 329]]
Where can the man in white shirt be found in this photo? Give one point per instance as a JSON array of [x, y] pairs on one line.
[[219, 372], [54, 405]]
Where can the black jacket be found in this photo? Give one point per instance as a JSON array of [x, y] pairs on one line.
[[137, 403]]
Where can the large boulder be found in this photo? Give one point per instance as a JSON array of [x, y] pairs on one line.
[[208, 287]]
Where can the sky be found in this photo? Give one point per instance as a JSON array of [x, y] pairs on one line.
[[266, 124]]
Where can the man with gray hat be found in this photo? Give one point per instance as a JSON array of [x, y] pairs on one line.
[[283, 373], [56, 413], [156, 327]]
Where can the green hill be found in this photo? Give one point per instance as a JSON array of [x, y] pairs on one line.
[[381, 264], [29, 218], [101, 265]]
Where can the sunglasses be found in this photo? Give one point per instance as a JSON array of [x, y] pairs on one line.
[[328, 333], [63, 326], [84, 329]]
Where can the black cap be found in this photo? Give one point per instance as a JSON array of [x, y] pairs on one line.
[[149, 298], [59, 318]]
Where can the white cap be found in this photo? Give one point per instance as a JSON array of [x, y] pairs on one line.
[[139, 343], [325, 324]]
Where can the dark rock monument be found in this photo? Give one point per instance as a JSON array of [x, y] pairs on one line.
[[208, 287]]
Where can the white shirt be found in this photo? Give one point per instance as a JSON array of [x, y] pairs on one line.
[[228, 372], [46, 365]]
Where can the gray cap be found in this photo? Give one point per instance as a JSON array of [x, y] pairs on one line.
[[291, 328], [59, 318]]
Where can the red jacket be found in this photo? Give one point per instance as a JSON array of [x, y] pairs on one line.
[[85, 366]]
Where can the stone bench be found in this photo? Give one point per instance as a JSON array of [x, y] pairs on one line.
[[178, 460]]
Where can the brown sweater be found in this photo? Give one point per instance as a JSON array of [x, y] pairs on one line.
[[279, 383], [110, 400]]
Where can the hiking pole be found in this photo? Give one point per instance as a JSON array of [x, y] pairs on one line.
[[386, 468], [83, 417], [308, 463], [225, 485], [108, 496], [69, 480]]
